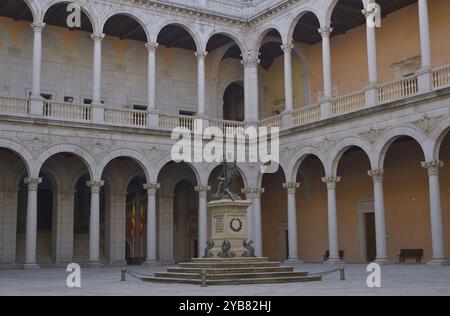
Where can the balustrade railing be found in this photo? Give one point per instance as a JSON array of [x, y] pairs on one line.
[[65, 110], [306, 115], [125, 117], [441, 77], [170, 122], [276, 121], [399, 89], [14, 105], [348, 103]]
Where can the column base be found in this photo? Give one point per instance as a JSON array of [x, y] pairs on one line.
[[31, 266], [151, 263], [438, 262], [333, 261], [383, 261], [293, 261], [95, 264]]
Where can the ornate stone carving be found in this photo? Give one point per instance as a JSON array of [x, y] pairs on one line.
[[376, 175], [426, 123], [433, 166], [372, 134], [151, 188], [291, 187], [32, 183], [95, 185], [331, 182]]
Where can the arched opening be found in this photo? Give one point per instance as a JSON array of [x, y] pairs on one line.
[[355, 207], [124, 63], [61, 57], [233, 102], [406, 199], [136, 244], [224, 55], [57, 208], [124, 229], [81, 220], [312, 211], [305, 34], [13, 201], [15, 16], [274, 216], [177, 204], [444, 156], [178, 68]]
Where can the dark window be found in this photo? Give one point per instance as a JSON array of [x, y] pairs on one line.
[[187, 113]]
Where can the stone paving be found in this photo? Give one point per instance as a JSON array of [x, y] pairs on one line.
[[405, 279]]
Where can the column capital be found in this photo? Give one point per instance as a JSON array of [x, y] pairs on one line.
[[32, 183], [253, 193], [38, 26], [433, 166], [151, 188], [250, 58], [95, 185], [203, 190], [331, 182], [201, 54], [97, 37], [325, 31], [291, 187], [376, 175], [287, 48], [151, 46]]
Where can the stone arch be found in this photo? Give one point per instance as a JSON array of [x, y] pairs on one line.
[[298, 158], [22, 153], [88, 160], [168, 158], [438, 136], [87, 9], [337, 152], [296, 17], [136, 156], [385, 141], [229, 34], [186, 27], [211, 167], [132, 15], [262, 35]]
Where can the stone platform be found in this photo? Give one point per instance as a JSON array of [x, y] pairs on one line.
[[231, 271]]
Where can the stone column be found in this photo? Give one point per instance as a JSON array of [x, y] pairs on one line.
[[437, 230], [97, 107], [151, 224], [333, 237], [151, 48], [288, 92], [94, 226], [201, 83], [291, 187], [380, 222], [371, 89], [63, 234], [36, 101], [202, 218], [254, 219], [31, 226], [251, 96], [325, 107], [425, 74]]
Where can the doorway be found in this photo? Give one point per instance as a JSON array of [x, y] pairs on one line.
[[369, 223]]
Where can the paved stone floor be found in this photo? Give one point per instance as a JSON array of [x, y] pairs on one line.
[[407, 279]]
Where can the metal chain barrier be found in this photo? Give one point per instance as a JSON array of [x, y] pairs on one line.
[[324, 273]]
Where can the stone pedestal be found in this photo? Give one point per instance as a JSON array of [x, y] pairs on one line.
[[229, 223]]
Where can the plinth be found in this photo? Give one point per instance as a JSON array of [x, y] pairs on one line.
[[228, 228]]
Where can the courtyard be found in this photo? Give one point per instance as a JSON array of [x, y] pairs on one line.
[[396, 279]]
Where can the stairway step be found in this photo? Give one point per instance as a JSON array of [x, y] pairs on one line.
[[268, 280], [229, 260], [231, 270], [205, 265], [228, 276]]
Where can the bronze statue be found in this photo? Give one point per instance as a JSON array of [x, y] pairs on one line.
[[226, 182]]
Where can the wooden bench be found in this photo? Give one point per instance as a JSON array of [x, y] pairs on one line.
[[327, 255], [411, 253]]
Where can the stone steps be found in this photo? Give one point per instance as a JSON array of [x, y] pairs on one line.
[[225, 276], [206, 265], [258, 280], [231, 270]]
